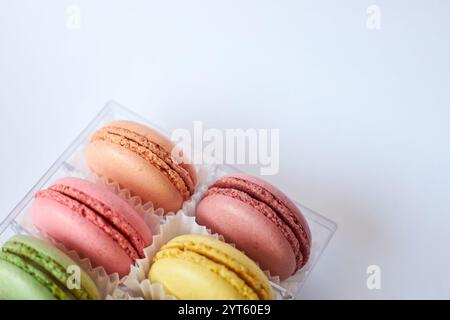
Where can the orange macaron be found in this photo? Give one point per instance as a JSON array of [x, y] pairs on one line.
[[140, 159]]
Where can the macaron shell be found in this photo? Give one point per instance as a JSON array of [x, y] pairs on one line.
[[16, 284], [134, 173], [76, 233], [114, 202], [251, 231], [187, 280]]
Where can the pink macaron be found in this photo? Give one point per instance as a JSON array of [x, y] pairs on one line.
[[95, 222], [260, 220]]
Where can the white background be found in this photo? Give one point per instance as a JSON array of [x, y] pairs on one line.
[[364, 115]]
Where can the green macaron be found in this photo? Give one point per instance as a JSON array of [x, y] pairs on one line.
[[32, 269]]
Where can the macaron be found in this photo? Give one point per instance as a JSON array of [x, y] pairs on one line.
[[140, 159], [260, 220], [98, 224], [196, 267], [32, 269]]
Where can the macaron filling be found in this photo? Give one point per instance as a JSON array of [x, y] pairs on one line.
[[152, 153], [40, 268], [96, 212], [269, 205], [218, 262]]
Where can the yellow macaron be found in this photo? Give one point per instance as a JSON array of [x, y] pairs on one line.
[[195, 267]]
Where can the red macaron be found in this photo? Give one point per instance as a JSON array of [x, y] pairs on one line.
[[260, 220]]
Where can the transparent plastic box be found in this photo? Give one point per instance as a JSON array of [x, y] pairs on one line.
[[71, 163]]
